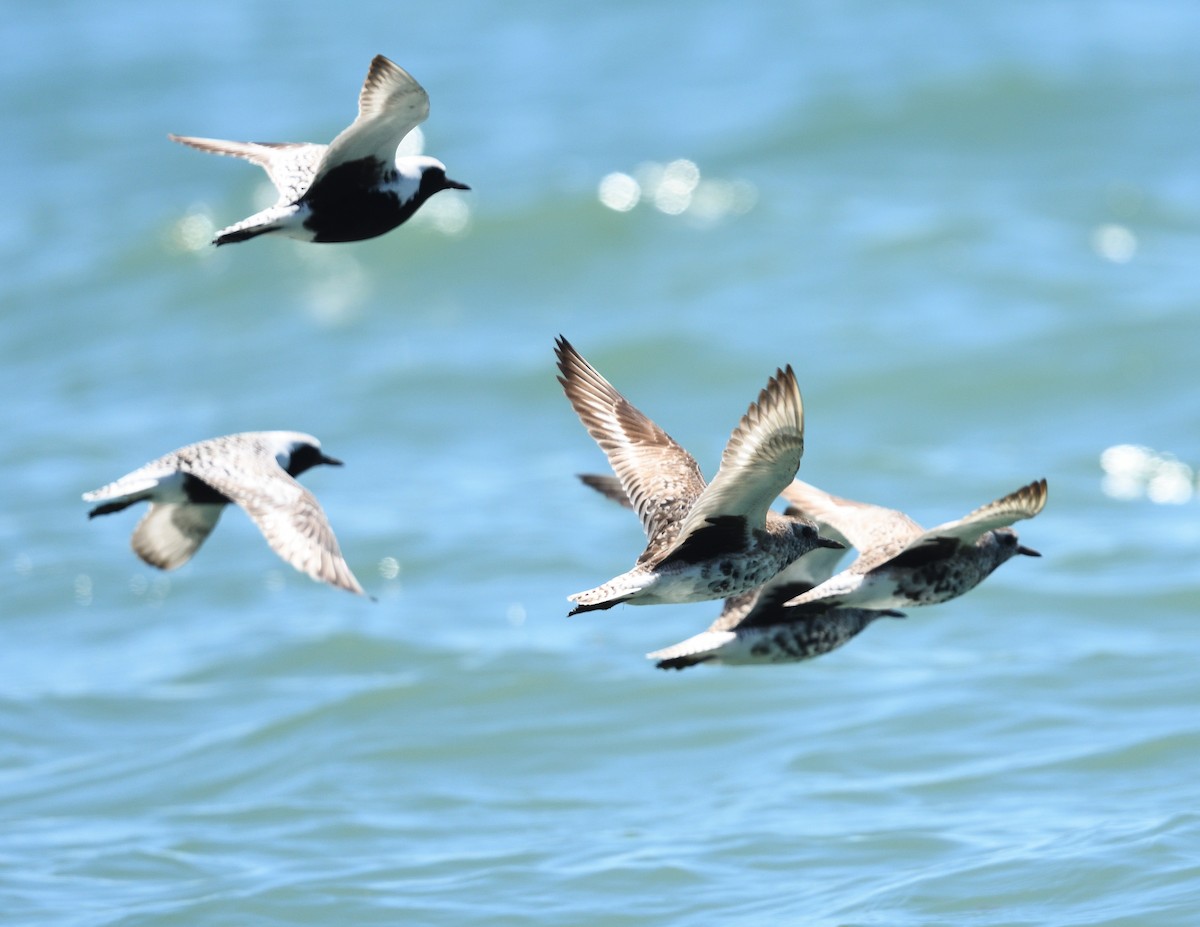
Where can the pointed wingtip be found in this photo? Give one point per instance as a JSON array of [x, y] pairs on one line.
[[349, 581], [350, 584], [782, 390], [572, 367], [380, 64], [1036, 494], [386, 76]]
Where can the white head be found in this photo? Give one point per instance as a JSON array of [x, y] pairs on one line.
[[296, 451], [421, 176]]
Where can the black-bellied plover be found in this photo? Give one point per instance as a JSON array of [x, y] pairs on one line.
[[901, 564], [355, 187], [755, 627], [706, 541], [189, 488]]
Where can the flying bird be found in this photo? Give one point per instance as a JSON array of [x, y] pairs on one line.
[[755, 627], [705, 540], [900, 563], [189, 488], [355, 187]]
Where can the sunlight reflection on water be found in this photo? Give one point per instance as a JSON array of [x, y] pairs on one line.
[[1132, 472], [677, 189], [1114, 243]]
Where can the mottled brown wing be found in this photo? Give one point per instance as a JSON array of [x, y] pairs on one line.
[[1023, 503], [735, 610], [288, 515], [300, 533], [660, 479], [877, 533], [608, 486]]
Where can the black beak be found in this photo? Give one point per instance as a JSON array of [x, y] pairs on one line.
[[830, 543], [1028, 552], [454, 185], [331, 461]]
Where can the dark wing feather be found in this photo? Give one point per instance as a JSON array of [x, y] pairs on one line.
[[659, 478]]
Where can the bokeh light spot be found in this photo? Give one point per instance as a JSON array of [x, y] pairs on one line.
[[1114, 243], [1132, 471], [677, 188], [620, 192]]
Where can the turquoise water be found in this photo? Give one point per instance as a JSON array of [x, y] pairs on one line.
[[971, 230]]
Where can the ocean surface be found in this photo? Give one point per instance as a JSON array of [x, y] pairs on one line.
[[971, 228]]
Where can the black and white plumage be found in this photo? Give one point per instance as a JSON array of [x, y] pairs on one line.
[[705, 540], [355, 187], [189, 488], [755, 627], [901, 564]]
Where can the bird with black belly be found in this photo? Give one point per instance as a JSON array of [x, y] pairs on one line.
[[354, 188]]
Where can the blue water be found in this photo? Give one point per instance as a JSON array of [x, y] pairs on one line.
[[971, 229]]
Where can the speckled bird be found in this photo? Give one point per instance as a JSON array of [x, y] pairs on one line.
[[705, 540], [900, 564], [755, 627], [189, 488], [355, 187]]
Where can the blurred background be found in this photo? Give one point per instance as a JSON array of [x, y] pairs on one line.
[[971, 229]]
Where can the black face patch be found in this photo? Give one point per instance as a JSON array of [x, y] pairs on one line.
[[305, 457], [433, 179]]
